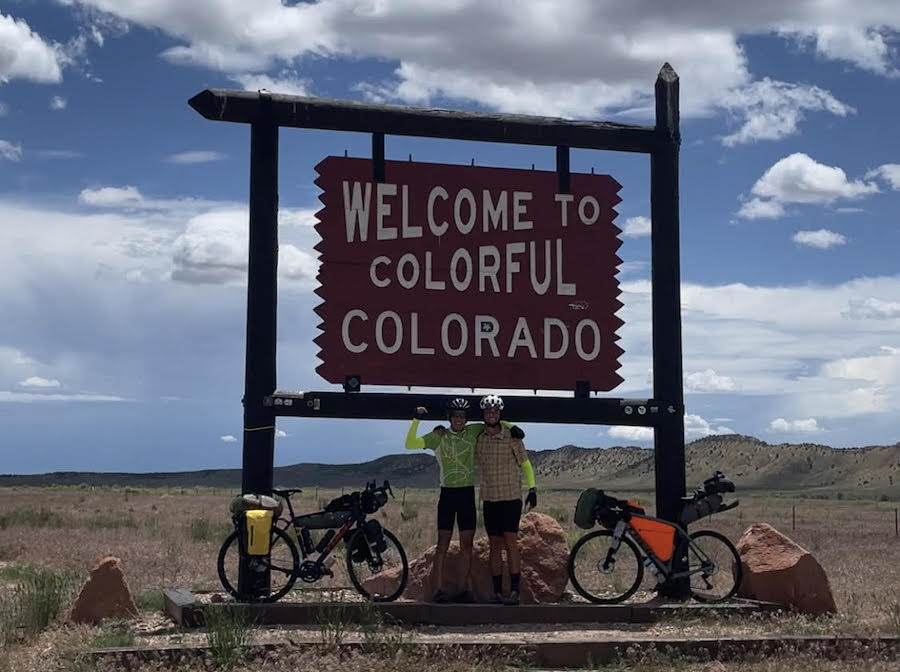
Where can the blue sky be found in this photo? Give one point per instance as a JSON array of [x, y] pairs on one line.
[[123, 214]]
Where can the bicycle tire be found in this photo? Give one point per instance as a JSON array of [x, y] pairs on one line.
[[232, 544], [592, 596], [736, 570], [352, 567]]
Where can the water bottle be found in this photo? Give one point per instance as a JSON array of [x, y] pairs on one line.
[[306, 539]]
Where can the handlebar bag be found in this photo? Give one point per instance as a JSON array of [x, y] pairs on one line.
[[585, 509]]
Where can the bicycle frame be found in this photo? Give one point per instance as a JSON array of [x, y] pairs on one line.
[[623, 528]]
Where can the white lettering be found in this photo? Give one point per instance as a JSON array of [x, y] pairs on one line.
[[595, 210], [398, 332], [373, 276], [467, 196], [383, 210], [564, 200], [519, 209], [345, 331], [408, 259], [415, 349], [541, 287], [486, 329], [494, 215], [463, 335], [562, 288], [511, 265], [356, 210], [461, 254], [521, 337], [488, 271], [549, 324], [579, 346], [429, 282], [437, 229], [408, 231]]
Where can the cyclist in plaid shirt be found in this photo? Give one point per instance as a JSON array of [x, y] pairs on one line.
[[500, 456]]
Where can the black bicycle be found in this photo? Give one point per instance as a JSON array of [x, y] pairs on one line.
[[375, 560]]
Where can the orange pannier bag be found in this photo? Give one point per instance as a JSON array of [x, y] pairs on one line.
[[660, 537]]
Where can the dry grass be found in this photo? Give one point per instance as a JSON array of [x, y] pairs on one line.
[[168, 539]]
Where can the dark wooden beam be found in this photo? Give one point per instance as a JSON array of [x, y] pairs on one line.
[[344, 115]]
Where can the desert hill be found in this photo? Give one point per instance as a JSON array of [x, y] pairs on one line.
[[753, 465]]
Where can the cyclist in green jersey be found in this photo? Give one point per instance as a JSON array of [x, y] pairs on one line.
[[455, 452]]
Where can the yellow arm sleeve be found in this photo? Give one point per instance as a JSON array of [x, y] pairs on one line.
[[528, 471], [413, 441]]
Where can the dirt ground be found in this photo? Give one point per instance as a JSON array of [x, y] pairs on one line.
[[170, 538]]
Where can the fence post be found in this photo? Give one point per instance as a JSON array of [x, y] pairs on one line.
[[896, 525], [793, 516], [403, 502]]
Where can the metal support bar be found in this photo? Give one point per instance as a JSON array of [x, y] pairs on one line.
[[562, 169], [378, 157], [345, 115], [401, 406]]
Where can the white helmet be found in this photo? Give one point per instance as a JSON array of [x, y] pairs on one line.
[[492, 401]]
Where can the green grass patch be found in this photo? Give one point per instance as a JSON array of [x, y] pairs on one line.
[[203, 529], [150, 600], [38, 598], [112, 635], [227, 632], [31, 518]]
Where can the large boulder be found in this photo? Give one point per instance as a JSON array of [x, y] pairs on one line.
[[777, 569], [104, 595], [545, 553]]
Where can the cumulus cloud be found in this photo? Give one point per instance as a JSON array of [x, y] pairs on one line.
[[807, 426], [30, 397], [882, 369], [889, 172], [866, 47], [872, 308], [10, 151], [228, 438], [130, 199], [25, 54], [772, 110], [696, 427], [195, 157], [821, 239], [708, 381], [287, 82], [37, 381], [111, 197], [58, 103], [800, 179], [636, 227], [280, 433], [627, 433]]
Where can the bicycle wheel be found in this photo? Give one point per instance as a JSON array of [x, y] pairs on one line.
[[378, 576], [283, 563], [600, 581], [716, 570]]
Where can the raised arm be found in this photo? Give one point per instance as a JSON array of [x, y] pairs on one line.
[[414, 442]]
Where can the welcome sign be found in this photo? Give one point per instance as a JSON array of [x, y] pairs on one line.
[[463, 276]]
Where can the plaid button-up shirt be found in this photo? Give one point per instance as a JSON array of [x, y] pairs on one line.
[[499, 458]]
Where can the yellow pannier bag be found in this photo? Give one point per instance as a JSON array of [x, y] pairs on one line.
[[259, 530]]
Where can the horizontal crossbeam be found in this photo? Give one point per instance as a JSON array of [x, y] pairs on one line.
[[249, 107], [402, 405]]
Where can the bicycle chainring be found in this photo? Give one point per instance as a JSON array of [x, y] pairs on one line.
[[310, 571]]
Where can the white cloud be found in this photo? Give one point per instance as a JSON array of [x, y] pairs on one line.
[[821, 239], [708, 381], [889, 172], [871, 308], [10, 151], [695, 426], [58, 103], [287, 83], [772, 110], [228, 438], [883, 369], [25, 54], [636, 227], [130, 199], [37, 381], [866, 47], [30, 397], [807, 426], [111, 197], [196, 157], [57, 154], [627, 433], [800, 179], [280, 433]]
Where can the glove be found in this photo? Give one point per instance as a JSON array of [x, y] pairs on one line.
[[516, 432], [420, 410], [531, 499]]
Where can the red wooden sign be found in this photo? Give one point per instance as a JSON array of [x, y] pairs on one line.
[[459, 276]]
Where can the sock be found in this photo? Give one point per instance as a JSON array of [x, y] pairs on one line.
[[498, 583], [514, 581]]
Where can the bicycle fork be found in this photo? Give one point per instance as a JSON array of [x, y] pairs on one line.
[[614, 544]]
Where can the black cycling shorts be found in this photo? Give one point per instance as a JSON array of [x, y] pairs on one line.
[[502, 517], [456, 504]]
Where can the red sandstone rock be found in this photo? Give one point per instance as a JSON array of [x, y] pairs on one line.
[[777, 569], [545, 554], [104, 595]]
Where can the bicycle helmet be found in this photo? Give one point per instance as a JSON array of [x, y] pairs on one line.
[[492, 401], [458, 404]]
